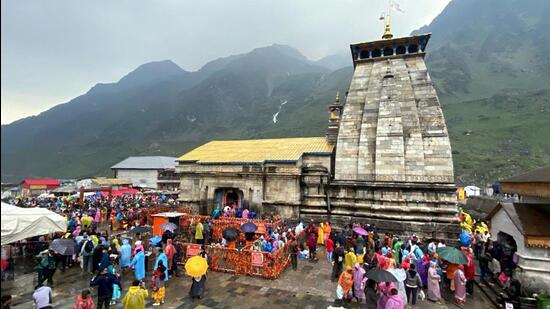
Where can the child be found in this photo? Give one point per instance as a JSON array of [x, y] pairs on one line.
[[158, 285], [84, 301]]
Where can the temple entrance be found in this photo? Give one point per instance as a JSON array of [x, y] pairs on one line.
[[228, 197]]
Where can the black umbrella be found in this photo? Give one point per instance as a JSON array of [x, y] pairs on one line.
[[230, 233], [140, 230], [64, 246], [380, 275]]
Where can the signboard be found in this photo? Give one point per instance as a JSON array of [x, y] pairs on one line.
[[38, 187], [257, 259], [193, 249]]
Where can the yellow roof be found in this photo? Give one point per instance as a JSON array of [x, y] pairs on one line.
[[257, 150]]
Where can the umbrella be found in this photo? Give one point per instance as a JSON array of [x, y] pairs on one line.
[[230, 233], [361, 231], [168, 226], [452, 255], [196, 266], [63, 246], [249, 227], [155, 240], [380, 275], [140, 229], [399, 273]]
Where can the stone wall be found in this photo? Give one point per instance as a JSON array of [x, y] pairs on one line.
[[392, 127], [269, 188]]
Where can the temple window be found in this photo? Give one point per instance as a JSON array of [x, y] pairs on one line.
[[413, 48], [400, 50]]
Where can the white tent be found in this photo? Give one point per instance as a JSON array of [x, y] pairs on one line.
[[472, 191], [20, 223]]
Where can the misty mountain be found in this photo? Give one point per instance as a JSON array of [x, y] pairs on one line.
[[486, 57]]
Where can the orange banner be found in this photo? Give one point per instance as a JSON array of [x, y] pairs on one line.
[[257, 259], [193, 249]]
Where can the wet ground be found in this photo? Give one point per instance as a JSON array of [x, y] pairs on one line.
[[308, 287]]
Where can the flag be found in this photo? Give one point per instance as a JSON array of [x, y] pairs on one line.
[[382, 17], [395, 6]]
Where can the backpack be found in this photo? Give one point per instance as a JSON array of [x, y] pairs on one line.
[[88, 247]]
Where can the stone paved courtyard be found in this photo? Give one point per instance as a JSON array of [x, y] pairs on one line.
[[308, 287]]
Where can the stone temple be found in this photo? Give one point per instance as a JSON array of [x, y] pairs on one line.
[[386, 158]]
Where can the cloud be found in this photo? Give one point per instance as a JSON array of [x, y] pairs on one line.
[[57, 49]]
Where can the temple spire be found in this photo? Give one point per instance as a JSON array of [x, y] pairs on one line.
[[387, 31], [387, 19]]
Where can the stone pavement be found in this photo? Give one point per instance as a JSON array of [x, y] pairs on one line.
[[308, 287]]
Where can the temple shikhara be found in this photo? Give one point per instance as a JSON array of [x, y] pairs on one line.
[[386, 158]]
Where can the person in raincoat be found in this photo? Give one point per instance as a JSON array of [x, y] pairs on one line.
[[138, 246], [170, 251], [135, 297], [434, 293], [125, 254], [321, 234], [138, 262], [162, 257], [326, 230], [350, 259], [116, 286], [359, 281], [345, 283], [460, 285], [394, 300], [396, 251]]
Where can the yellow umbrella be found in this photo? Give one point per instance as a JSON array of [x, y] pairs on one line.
[[196, 266]]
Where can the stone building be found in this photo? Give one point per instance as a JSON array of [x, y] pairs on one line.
[[265, 174], [386, 158], [521, 223], [154, 172]]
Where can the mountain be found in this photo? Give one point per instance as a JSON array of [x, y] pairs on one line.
[[481, 47], [486, 57], [161, 109], [336, 61]]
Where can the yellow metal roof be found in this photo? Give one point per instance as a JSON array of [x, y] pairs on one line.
[[257, 150]]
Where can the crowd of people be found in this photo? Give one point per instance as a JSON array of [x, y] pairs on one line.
[[415, 264]]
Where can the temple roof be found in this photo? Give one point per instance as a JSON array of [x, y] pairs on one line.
[[257, 151], [537, 175], [146, 162]]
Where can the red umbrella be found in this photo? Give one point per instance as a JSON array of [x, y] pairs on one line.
[[361, 231]]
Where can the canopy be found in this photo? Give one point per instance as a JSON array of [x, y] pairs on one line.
[[20, 223]]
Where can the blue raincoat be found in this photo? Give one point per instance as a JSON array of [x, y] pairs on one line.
[[139, 265], [125, 253], [164, 259]]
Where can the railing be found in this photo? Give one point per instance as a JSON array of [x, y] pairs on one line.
[[240, 261], [219, 225]]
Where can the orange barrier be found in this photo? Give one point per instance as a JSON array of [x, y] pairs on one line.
[[219, 225], [247, 261]]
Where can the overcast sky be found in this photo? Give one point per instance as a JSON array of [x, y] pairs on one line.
[[55, 50]]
